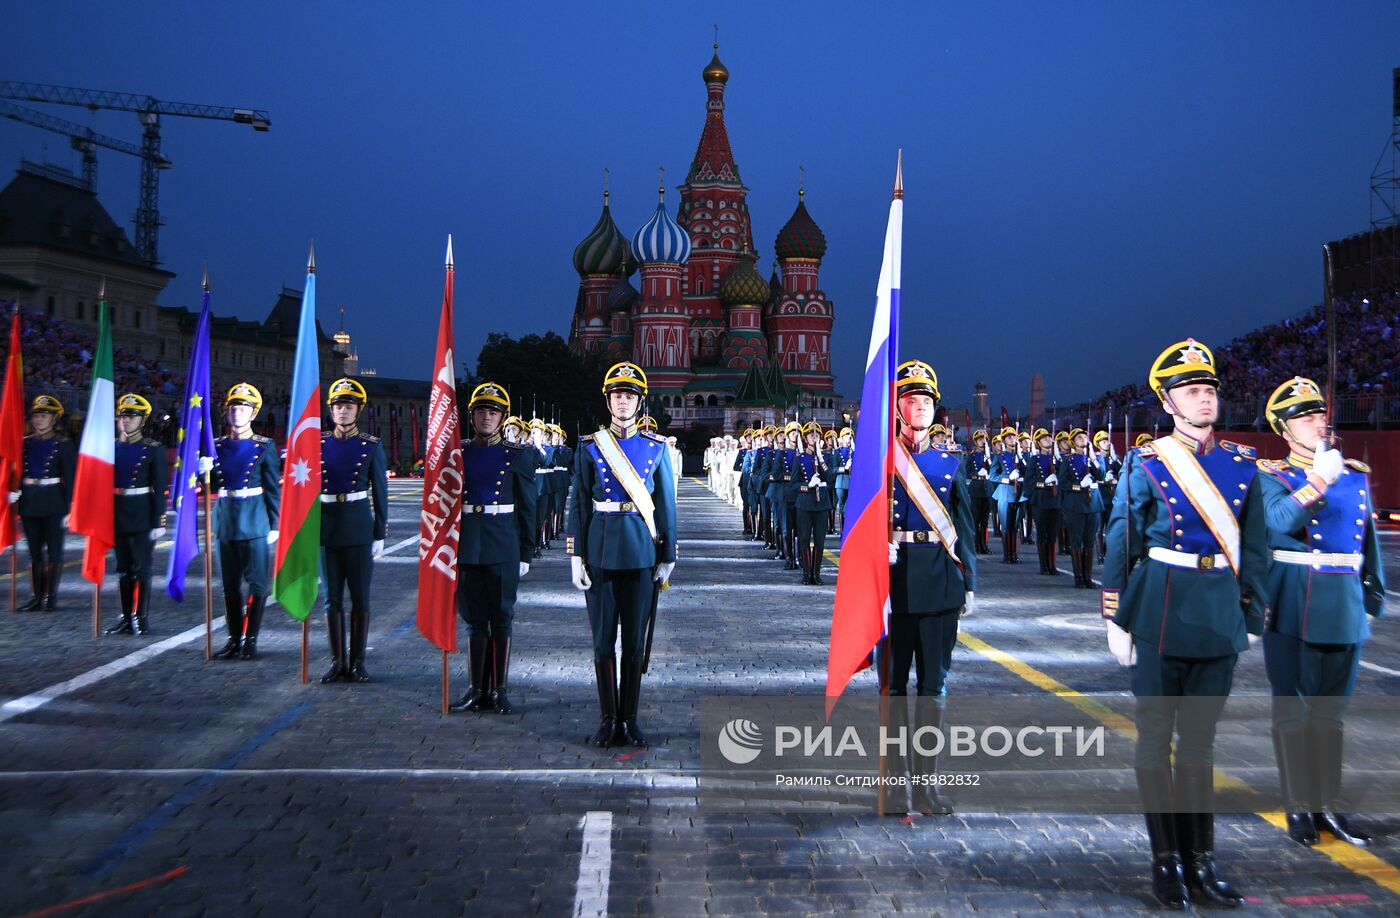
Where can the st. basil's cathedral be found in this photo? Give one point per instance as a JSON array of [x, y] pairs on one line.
[[721, 346]]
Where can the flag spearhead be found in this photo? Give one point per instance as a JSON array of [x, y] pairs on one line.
[[206, 277], [311, 259], [899, 175], [449, 251]]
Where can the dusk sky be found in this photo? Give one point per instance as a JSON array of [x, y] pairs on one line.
[[1086, 182]]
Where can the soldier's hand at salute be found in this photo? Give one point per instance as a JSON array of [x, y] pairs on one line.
[[894, 553], [1327, 463], [580, 573], [377, 548], [524, 568]]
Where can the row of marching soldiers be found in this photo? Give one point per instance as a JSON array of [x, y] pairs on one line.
[[547, 452], [791, 484]]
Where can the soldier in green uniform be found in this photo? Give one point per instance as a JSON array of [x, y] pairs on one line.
[[354, 524], [139, 475], [813, 475], [1185, 584], [45, 492], [1325, 583], [622, 541], [247, 473], [1081, 475]]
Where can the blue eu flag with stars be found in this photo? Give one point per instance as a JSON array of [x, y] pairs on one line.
[[196, 439]]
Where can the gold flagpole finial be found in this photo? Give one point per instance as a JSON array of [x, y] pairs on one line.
[[449, 251], [899, 175], [102, 291], [311, 259], [206, 277]]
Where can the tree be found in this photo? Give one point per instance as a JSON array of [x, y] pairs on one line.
[[544, 377]]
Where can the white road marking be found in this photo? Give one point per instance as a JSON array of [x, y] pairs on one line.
[[1380, 669], [401, 544], [16, 707], [595, 867], [611, 777]]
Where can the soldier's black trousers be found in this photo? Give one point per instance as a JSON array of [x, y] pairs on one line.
[[347, 566], [134, 556], [486, 597], [620, 601], [811, 530], [1083, 529], [44, 536], [928, 641], [244, 559], [981, 508], [1185, 694], [1320, 676], [1047, 524]]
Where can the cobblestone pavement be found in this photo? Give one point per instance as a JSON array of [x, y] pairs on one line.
[[180, 787]]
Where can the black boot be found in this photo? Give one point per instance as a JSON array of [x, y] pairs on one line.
[[606, 673], [817, 568], [1078, 567], [928, 797], [1006, 541], [1086, 563], [250, 637], [478, 697], [1168, 874], [500, 669], [124, 591], [359, 639], [791, 551], [143, 603], [233, 618], [1327, 754], [629, 693], [895, 715], [335, 629], [36, 577], [1293, 782], [51, 578], [1195, 828]]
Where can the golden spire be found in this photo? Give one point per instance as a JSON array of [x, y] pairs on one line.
[[206, 277], [311, 259], [899, 176]]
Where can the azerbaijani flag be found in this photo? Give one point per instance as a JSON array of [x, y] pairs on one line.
[[11, 434], [94, 505], [863, 578], [298, 547]]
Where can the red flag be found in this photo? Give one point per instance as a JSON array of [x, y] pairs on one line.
[[443, 481], [11, 434]]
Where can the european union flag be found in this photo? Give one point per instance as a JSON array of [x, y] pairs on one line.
[[196, 439]]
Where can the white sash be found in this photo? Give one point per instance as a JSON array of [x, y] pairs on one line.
[[922, 495], [627, 476], [1181, 463]]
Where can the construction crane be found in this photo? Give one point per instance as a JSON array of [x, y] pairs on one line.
[[148, 111], [83, 139]]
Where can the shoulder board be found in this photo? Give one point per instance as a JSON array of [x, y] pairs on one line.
[[586, 438], [652, 437], [1239, 449], [1146, 451], [512, 447], [1356, 465], [147, 441], [326, 435], [370, 437], [257, 439], [1271, 465]]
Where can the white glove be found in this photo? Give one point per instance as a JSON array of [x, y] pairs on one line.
[[377, 548], [272, 537], [1110, 478], [1254, 639], [1120, 644], [1086, 480], [580, 573], [66, 517], [1052, 479], [663, 571], [981, 473], [206, 464], [524, 568], [14, 496], [1016, 475], [894, 553], [815, 482], [1327, 463], [969, 604], [157, 534]]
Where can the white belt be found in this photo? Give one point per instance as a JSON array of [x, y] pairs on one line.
[[126, 492], [1331, 559], [345, 498], [240, 492], [41, 481], [488, 509], [560, 468], [614, 506], [919, 536], [1187, 559]]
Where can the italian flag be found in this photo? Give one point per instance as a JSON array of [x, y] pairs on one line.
[[93, 502]]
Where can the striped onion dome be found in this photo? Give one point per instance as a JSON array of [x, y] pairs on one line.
[[800, 237], [661, 240], [601, 251], [744, 286]]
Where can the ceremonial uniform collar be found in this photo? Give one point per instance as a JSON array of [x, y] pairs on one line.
[[235, 435], [917, 446], [350, 435], [622, 433], [489, 441], [1300, 461], [1194, 445]]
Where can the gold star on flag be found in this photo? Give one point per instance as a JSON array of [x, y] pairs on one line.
[[196, 401]]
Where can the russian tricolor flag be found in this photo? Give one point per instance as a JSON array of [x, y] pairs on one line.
[[863, 578]]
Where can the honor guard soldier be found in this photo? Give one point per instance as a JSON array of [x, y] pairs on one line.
[[978, 468], [1326, 581], [933, 568], [544, 483], [1026, 520], [1142, 439], [139, 475], [496, 543], [842, 458], [778, 474], [247, 474], [1008, 473], [1112, 466], [1184, 586], [1079, 509], [354, 524], [813, 475], [792, 442], [45, 492], [564, 469], [829, 447], [513, 431], [622, 542], [743, 464], [1043, 499]]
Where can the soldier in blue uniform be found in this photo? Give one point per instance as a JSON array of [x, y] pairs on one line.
[[1008, 473], [829, 448], [1111, 465], [758, 487], [622, 541], [1080, 475], [247, 473], [1184, 586], [792, 443], [1325, 582], [978, 469], [564, 472], [743, 464], [139, 475], [495, 545], [43, 499], [933, 572], [813, 475], [354, 524], [841, 458], [778, 475], [544, 483], [1043, 499]]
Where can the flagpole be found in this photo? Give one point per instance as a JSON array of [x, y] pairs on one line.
[[97, 610], [14, 577], [445, 692], [208, 572], [305, 649]]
